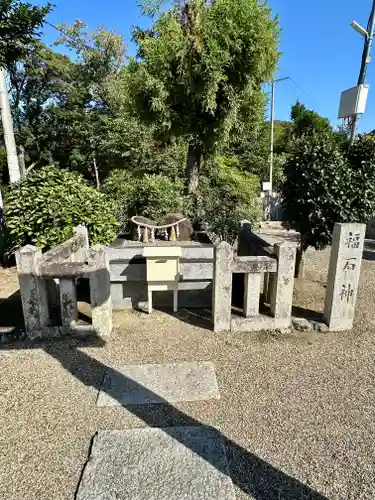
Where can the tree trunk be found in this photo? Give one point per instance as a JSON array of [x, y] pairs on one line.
[[21, 161], [96, 172], [193, 166], [300, 263]]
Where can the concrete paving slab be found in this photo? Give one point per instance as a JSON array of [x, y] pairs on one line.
[[179, 463], [158, 384]]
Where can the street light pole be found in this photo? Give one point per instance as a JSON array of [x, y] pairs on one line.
[[369, 36], [272, 132], [273, 127]]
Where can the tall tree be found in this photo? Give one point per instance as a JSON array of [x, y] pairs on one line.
[[195, 66], [19, 25], [307, 121], [39, 82]]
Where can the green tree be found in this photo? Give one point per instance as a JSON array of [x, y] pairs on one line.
[[228, 195], [249, 140], [307, 121], [325, 185], [39, 82], [44, 208], [195, 68], [19, 25], [60, 106]]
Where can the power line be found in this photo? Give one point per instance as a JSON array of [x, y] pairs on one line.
[[78, 42], [295, 91], [299, 87]]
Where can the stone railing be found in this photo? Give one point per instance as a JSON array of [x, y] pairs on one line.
[[261, 262], [48, 282], [260, 271]]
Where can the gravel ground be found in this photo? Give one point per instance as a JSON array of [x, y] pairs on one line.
[[296, 410]]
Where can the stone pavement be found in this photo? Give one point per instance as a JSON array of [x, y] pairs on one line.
[[179, 463], [136, 385], [155, 464]]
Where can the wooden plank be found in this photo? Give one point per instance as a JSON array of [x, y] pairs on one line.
[[254, 264]]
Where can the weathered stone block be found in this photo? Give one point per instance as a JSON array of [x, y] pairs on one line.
[[158, 384], [33, 290], [281, 284], [100, 290], [176, 463], [252, 294], [343, 275], [68, 303], [185, 230], [222, 287], [302, 324]]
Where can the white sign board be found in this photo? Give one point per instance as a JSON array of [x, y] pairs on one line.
[[266, 186], [353, 101]]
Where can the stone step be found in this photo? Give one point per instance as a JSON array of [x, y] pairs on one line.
[[158, 384], [176, 463]]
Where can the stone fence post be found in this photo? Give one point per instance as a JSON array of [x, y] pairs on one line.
[[281, 284], [81, 254], [100, 290], [222, 287], [33, 290], [343, 275]]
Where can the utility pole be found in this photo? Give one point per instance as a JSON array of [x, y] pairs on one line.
[[273, 127], [369, 36], [6, 119]]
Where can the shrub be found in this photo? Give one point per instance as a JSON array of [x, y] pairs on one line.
[[228, 195], [325, 185], [44, 208], [152, 196], [120, 187], [361, 159], [158, 195]]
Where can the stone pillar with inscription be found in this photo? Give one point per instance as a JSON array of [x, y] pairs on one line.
[[343, 275]]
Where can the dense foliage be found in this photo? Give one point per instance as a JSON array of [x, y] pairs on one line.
[[186, 115], [44, 208], [19, 24], [307, 121], [325, 184], [227, 196], [130, 126], [200, 66], [150, 195]]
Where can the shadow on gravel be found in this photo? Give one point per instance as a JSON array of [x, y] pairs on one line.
[[368, 255], [253, 475], [309, 314], [11, 314]]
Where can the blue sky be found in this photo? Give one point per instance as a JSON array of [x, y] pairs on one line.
[[321, 53]]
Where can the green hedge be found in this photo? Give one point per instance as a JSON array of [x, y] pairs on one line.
[[149, 195], [44, 208], [228, 195]]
